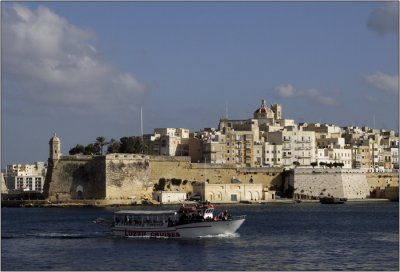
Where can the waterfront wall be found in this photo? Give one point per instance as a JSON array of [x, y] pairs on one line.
[[163, 167], [75, 177], [314, 183], [128, 176], [132, 176], [348, 183]]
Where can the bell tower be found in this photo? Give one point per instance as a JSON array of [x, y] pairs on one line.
[[55, 148], [277, 109]]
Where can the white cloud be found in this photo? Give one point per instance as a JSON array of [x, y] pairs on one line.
[[385, 19], [383, 82], [288, 91], [285, 90], [52, 63]]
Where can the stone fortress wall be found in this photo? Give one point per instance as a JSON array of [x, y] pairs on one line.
[[132, 176], [347, 183], [75, 177], [127, 176]]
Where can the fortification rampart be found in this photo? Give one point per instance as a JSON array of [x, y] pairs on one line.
[[132, 176], [348, 183], [320, 182], [75, 177], [127, 176]]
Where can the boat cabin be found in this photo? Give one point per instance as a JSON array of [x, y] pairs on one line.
[[147, 219]]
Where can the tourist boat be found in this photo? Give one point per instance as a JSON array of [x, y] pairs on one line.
[[332, 200], [189, 221]]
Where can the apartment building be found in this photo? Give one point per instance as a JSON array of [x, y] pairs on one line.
[[298, 146], [323, 131], [273, 154], [168, 142], [243, 145], [27, 177]]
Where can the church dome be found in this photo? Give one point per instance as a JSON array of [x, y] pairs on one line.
[[263, 109]]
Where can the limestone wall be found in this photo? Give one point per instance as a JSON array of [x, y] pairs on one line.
[[128, 176], [314, 183], [162, 167], [382, 180], [132, 176], [75, 177]]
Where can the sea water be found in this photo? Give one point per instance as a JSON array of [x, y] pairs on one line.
[[350, 236]]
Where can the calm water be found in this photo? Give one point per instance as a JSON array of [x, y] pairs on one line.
[[353, 236]]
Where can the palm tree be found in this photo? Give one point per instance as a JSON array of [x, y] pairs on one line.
[[102, 142]]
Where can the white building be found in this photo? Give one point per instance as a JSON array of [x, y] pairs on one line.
[[233, 192], [332, 155], [273, 154], [27, 177], [297, 145], [35, 169], [171, 197], [168, 142]]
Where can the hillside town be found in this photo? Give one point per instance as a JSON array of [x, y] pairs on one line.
[[269, 140], [265, 141]]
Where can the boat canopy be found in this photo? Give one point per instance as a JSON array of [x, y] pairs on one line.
[[143, 212]]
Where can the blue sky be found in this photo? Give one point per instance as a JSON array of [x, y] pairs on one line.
[[84, 69]]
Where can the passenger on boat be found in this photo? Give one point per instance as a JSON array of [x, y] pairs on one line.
[[224, 215]]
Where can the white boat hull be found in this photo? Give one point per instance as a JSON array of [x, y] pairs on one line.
[[191, 230]]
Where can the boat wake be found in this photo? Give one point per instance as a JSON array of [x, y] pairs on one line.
[[50, 235], [222, 236]]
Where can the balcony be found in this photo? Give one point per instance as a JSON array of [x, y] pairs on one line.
[[302, 141], [303, 156], [303, 148]]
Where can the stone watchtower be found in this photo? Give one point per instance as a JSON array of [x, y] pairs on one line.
[[54, 156], [55, 148]]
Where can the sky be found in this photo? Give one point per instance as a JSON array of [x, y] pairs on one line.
[[85, 69]]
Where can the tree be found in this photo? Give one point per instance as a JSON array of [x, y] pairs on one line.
[[296, 163], [101, 141], [313, 164], [92, 149], [322, 163], [113, 146], [127, 145], [78, 149], [132, 145]]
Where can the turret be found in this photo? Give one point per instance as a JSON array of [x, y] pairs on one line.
[[55, 148]]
